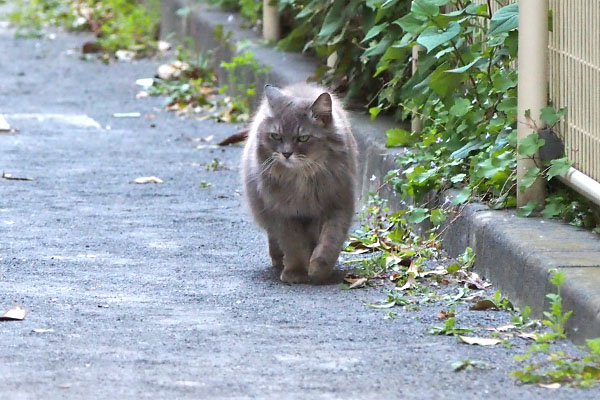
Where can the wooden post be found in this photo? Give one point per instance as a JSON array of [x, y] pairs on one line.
[[415, 121], [533, 86], [271, 25]]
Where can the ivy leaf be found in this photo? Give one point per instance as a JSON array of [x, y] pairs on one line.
[[374, 31], [508, 105], [458, 178], [550, 116], [559, 166], [418, 215], [504, 81], [554, 207], [466, 67], [432, 38], [438, 216], [398, 137], [427, 8], [409, 23], [443, 83], [332, 21], [464, 151], [528, 179], [504, 20], [527, 209], [462, 196], [530, 145], [460, 107], [374, 111]]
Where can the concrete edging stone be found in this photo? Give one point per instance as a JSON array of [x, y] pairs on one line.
[[516, 254]]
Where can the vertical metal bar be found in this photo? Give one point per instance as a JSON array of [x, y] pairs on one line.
[[271, 24], [533, 89]]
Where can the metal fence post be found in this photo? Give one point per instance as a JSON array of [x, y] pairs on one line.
[[271, 25], [533, 86]]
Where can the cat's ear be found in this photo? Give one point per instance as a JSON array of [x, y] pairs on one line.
[[321, 109], [274, 96]]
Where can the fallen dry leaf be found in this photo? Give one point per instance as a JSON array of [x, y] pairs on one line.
[[445, 315], [5, 127], [14, 314], [472, 280], [127, 115], [483, 305], [91, 47], [163, 46], [502, 328], [527, 335], [125, 55], [42, 330], [410, 282], [414, 269], [479, 340], [554, 385], [395, 276], [15, 178], [359, 283], [148, 179]]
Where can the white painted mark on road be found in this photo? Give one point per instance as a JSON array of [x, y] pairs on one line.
[[76, 120]]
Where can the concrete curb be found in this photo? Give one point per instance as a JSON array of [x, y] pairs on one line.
[[516, 254]]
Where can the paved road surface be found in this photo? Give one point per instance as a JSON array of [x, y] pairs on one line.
[[165, 291]]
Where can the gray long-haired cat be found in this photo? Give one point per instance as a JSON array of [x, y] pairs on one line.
[[299, 170]]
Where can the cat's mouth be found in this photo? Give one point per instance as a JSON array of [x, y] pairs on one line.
[[289, 162]]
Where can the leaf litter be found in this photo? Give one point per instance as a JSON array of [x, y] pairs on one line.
[[14, 314], [148, 179]]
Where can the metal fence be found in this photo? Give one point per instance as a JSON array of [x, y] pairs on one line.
[[574, 58]]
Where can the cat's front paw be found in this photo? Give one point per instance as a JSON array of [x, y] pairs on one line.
[[319, 270], [294, 276]]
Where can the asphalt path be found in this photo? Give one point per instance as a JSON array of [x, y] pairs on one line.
[[164, 291]]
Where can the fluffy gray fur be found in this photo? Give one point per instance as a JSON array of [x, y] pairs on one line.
[[299, 176]]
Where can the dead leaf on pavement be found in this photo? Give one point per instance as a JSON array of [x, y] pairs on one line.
[[14, 314], [410, 283], [554, 385], [91, 47], [42, 330], [359, 283], [445, 315], [527, 335], [5, 127], [148, 179], [483, 305], [355, 281], [472, 280], [502, 328], [235, 138], [163, 46], [479, 340], [15, 178], [127, 115]]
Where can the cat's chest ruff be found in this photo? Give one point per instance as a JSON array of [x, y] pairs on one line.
[[295, 193]]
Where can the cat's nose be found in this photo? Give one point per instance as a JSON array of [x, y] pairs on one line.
[[287, 155]]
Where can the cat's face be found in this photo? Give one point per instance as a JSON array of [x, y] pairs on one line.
[[295, 132]]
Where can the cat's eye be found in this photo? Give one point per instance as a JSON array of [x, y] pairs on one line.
[[303, 138], [275, 136]]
